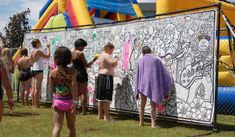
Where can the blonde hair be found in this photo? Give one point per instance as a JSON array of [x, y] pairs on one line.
[[108, 46], [6, 52]]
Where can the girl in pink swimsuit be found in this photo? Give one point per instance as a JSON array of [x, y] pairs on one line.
[[64, 87]]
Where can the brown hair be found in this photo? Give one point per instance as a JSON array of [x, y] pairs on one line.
[[35, 42], [62, 58], [24, 52], [6, 52], [146, 50], [80, 43], [108, 46]]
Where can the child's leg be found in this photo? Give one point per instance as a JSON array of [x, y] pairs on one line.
[[71, 118], [83, 88], [38, 82], [100, 110], [58, 122], [142, 106], [27, 91], [22, 85], [33, 91], [153, 114], [106, 106]]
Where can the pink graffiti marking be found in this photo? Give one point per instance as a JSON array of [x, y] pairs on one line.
[[125, 54]]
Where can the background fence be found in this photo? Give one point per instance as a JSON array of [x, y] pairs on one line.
[[226, 89]]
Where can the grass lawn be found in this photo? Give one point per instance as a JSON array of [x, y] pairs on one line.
[[28, 122]]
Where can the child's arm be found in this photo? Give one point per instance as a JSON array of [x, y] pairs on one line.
[[51, 82], [74, 93], [41, 54], [86, 64], [52, 85], [74, 87], [7, 86], [110, 61]]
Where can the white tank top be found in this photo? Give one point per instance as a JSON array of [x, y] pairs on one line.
[[38, 65]]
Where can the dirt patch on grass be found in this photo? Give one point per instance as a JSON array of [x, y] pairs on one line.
[[89, 130]]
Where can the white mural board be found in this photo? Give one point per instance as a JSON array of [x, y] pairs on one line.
[[186, 44]]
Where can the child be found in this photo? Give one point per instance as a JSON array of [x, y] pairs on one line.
[[63, 85], [4, 81], [37, 68], [24, 64], [80, 64], [104, 83]]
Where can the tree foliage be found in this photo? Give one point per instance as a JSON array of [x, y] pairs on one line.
[[15, 29]]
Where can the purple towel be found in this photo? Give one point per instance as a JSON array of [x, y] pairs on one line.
[[152, 79]]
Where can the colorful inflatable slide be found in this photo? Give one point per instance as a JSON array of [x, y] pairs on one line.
[[63, 13], [117, 10], [226, 91], [74, 13]]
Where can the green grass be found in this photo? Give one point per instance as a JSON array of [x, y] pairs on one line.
[[28, 122]]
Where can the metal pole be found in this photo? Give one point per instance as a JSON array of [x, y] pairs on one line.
[[230, 46], [217, 65]]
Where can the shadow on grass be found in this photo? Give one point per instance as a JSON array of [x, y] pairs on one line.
[[21, 114], [224, 127], [45, 105]]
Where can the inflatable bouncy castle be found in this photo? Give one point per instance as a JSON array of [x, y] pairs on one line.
[[226, 82], [114, 9], [63, 14]]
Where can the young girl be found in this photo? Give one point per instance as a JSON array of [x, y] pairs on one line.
[[4, 81], [8, 62], [80, 64], [37, 57], [63, 85]]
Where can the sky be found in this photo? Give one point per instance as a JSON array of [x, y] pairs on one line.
[[10, 7]]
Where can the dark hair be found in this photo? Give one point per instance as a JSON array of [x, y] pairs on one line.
[[35, 42], [62, 56], [80, 43], [24, 52], [108, 46], [146, 50]]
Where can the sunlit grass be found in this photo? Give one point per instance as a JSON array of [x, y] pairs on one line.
[[29, 122]]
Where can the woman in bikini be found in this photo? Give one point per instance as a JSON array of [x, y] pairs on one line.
[[25, 75]]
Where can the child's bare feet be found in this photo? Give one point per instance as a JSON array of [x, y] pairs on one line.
[[108, 120], [153, 125], [100, 117], [141, 123], [84, 113]]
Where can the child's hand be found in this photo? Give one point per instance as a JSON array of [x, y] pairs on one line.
[[52, 106], [116, 58], [48, 45], [96, 57], [74, 108], [11, 104]]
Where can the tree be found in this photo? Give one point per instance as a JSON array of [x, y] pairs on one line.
[[15, 29]]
